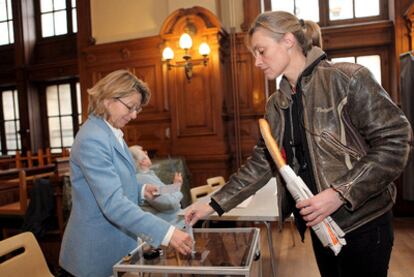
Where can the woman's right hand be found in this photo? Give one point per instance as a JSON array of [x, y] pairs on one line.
[[181, 242], [196, 212]]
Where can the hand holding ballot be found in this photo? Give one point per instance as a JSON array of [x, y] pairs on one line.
[[151, 191]]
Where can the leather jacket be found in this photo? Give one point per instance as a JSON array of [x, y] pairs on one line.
[[358, 140]]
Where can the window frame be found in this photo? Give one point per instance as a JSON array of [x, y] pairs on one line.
[[38, 20], [12, 20], [324, 20], [4, 149], [45, 118]]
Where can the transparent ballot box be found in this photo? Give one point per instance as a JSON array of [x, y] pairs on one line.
[[217, 252]]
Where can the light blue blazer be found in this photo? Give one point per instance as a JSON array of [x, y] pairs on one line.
[[105, 219]]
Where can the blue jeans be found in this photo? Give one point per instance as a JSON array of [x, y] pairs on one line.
[[367, 252]]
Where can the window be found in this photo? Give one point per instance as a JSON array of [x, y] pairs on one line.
[[6, 23], [332, 11], [372, 62], [348, 9], [10, 123], [58, 17], [306, 9], [63, 114]]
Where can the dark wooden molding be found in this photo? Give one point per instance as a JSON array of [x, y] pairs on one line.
[[251, 9], [358, 35], [174, 22], [409, 17]]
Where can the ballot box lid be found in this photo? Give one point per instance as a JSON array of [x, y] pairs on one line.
[[224, 250]]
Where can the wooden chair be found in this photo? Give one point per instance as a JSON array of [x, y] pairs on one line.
[[23, 257], [216, 182], [62, 172], [10, 178], [20, 178], [42, 158], [200, 191]]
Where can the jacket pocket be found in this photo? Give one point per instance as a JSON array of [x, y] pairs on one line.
[[336, 145]]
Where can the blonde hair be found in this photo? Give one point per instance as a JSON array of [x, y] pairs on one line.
[[313, 33], [278, 23], [117, 84]]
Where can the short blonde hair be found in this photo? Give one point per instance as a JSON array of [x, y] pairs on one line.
[[117, 84]]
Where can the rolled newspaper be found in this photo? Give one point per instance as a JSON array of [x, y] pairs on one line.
[[328, 232]]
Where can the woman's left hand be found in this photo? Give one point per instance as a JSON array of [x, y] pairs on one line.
[[151, 191], [315, 209]]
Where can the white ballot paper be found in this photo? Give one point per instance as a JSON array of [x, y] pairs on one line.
[[168, 189], [189, 230]]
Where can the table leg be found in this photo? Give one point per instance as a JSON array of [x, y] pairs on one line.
[[270, 242]]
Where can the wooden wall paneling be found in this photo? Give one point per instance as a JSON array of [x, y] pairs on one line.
[[251, 80], [83, 41], [152, 135], [197, 115], [150, 71], [53, 71], [7, 77], [196, 105], [409, 20], [251, 8], [55, 49], [203, 167], [252, 99], [24, 33], [7, 58], [358, 35]]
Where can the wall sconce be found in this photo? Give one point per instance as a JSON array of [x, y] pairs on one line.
[[186, 43]]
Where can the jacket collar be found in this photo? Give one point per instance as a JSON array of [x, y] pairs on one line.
[[121, 149], [315, 55]]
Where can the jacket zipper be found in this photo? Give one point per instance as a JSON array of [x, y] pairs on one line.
[[357, 140], [344, 149]]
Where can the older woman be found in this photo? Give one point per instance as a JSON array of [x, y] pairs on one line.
[[166, 206], [105, 219]]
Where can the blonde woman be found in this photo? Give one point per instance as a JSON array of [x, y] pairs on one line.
[[105, 219], [342, 135]]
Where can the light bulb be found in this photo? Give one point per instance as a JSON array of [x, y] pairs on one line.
[[204, 49], [168, 53], [185, 41]]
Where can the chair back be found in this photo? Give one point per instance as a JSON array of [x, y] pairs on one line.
[[20, 178], [62, 166], [200, 191], [22, 256], [15, 178], [216, 182]]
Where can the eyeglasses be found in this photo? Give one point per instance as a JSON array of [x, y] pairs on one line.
[[137, 108]]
